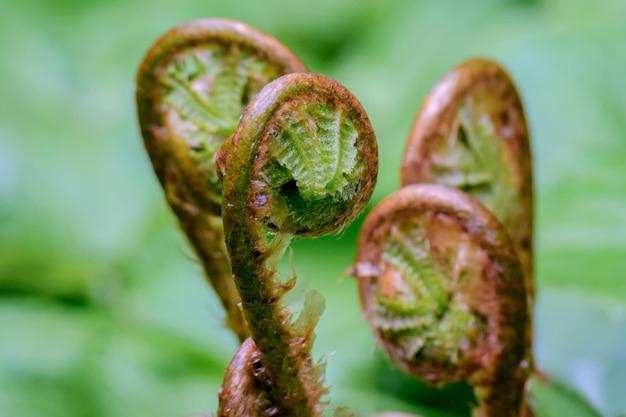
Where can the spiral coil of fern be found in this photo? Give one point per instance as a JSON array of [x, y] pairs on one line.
[[302, 162], [443, 289], [192, 87]]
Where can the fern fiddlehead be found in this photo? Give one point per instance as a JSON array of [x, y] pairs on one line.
[[192, 87], [471, 134], [302, 162], [443, 289]]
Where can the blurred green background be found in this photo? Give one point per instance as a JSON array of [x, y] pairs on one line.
[[103, 310]]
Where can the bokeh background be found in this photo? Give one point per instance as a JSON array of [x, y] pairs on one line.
[[103, 310]]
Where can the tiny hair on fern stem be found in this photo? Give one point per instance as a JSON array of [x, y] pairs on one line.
[[471, 134], [192, 86], [302, 162], [443, 290]]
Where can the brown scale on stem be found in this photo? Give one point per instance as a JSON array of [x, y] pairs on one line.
[[192, 87], [443, 289], [303, 162]]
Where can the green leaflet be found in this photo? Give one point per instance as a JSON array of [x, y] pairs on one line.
[[474, 161], [207, 89], [411, 259], [317, 146], [210, 87], [420, 313]]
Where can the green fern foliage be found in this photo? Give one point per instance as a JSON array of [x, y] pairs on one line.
[[419, 312], [317, 146]]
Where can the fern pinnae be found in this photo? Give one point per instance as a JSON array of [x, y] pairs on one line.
[[230, 83], [345, 159], [395, 258], [191, 106], [418, 267]]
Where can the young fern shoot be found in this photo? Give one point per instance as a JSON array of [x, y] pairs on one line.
[[302, 162], [443, 289], [471, 134], [192, 87]]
